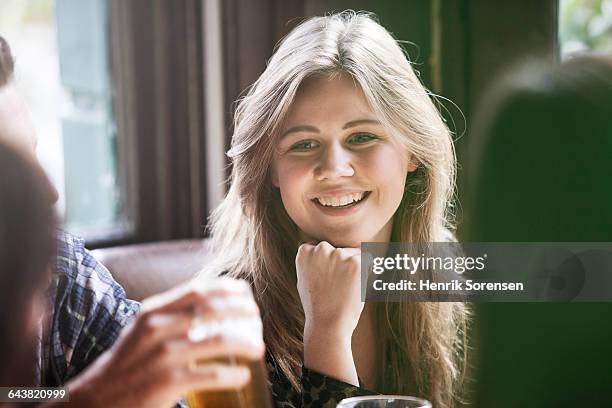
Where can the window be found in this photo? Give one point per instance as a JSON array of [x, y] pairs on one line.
[[62, 69], [585, 25]]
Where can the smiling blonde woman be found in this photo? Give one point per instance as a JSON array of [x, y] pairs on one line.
[[335, 144]]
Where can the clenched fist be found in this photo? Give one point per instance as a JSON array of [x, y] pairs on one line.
[[329, 284]]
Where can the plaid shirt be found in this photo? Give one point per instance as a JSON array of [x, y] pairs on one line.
[[87, 310]]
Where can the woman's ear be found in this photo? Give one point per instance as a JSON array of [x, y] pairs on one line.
[[413, 164]]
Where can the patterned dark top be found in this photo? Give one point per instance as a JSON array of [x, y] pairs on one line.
[[317, 390]]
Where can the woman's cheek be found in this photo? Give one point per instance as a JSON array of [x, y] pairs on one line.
[[293, 185], [297, 172], [387, 171]]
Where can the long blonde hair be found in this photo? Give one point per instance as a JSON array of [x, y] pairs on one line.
[[255, 239]]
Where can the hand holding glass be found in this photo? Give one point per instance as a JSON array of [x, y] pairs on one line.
[[237, 335]]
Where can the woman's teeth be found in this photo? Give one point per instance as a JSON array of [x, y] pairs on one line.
[[342, 200]]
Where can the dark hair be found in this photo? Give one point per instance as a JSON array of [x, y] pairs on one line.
[[541, 153], [26, 247], [7, 63]]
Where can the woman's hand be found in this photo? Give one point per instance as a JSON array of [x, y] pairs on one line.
[[329, 285], [152, 362]]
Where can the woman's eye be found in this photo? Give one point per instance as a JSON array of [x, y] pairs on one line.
[[361, 138], [304, 145]]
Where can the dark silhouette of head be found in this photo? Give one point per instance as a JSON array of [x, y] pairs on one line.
[[26, 247], [540, 169], [541, 155]]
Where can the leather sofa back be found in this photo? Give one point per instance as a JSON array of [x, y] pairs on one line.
[[147, 269]]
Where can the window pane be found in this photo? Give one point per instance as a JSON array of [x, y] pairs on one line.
[[585, 25], [62, 69]]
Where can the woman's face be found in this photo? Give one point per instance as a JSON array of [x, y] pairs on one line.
[[340, 175]]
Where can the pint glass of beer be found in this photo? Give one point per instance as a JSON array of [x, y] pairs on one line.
[[253, 395], [256, 393]]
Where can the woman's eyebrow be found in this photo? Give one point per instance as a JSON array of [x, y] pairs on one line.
[[358, 122], [302, 128]]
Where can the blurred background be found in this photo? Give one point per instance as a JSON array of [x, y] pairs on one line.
[[132, 99], [133, 105]]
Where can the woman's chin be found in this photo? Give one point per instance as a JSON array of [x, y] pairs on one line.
[[343, 242], [346, 244], [342, 239]]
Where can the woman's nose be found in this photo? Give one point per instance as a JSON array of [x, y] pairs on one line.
[[335, 162]]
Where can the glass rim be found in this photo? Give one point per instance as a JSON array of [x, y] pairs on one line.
[[425, 402]]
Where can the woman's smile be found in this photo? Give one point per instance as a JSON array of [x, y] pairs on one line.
[[341, 203]]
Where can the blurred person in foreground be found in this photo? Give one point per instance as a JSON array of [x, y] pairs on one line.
[[26, 248], [107, 349], [542, 148]]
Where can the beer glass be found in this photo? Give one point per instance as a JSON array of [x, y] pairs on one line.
[[384, 401], [253, 395], [256, 393]]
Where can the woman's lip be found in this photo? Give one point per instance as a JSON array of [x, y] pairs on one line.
[[338, 193], [340, 211]]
